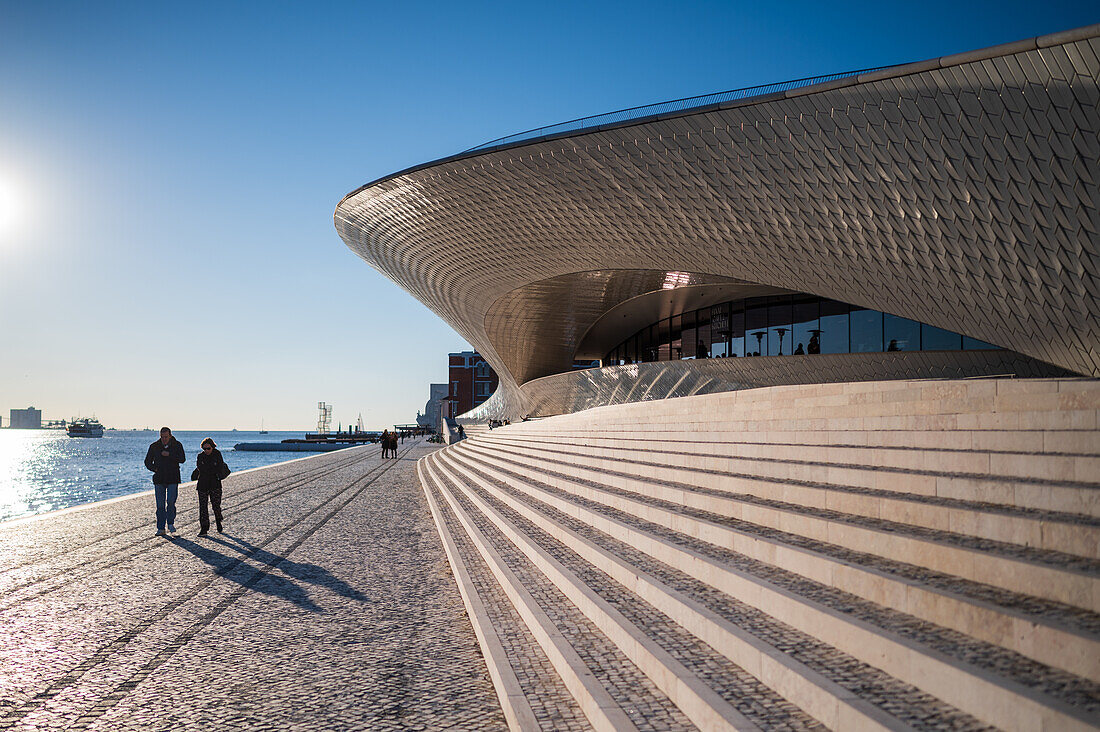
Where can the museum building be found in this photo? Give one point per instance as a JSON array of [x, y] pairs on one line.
[[812, 372], [905, 213]]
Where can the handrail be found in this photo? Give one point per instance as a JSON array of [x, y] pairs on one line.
[[676, 105]]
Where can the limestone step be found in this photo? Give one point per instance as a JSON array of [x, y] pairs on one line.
[[1055, 442], [529, 690], [1052, 633], [607, 687], [876, 636], [1065, 405], [835, 688], [1012, 462], [701, 681], [992, 404], [1049, 575], [909, 496]]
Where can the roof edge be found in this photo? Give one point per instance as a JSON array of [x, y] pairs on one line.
[[889, 72]]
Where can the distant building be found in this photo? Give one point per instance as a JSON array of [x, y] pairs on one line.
[[437, 397], [472, 381], [26, 419]]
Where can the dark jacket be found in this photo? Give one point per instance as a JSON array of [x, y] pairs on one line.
[[166, 469], [210, 470]]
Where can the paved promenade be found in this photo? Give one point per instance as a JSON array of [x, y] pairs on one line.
[[327, 604]]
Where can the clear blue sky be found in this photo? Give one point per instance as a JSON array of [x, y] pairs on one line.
[[168, 172]]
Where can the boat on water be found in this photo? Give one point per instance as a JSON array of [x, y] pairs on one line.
[[85, 427]]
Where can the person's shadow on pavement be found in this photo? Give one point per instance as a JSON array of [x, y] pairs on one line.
[[302, 571], [269, 584]]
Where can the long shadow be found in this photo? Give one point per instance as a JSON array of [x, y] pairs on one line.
[[272, 584], [302, 571]]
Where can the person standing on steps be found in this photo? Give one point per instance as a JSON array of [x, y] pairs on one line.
[[210, 472], [164, 458]]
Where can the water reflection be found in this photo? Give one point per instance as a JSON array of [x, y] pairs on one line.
[[45, 470]]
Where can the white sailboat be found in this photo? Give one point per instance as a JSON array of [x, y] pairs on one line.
[[262, 430]]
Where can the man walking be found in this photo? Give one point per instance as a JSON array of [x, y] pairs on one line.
[[164, 458]]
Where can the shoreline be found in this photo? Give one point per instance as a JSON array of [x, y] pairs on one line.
[[148, 492]]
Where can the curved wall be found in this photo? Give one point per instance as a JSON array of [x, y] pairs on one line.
[[960, 192], [578, 390]]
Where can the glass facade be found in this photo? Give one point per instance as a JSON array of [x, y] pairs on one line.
[[783, 325]]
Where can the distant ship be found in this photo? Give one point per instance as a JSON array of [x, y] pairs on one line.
[[85, 428], [262, 430]]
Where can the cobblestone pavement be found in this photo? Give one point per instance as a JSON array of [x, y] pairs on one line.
[[327, 604]]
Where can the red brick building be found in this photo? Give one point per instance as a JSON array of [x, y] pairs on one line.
[[471, 379]]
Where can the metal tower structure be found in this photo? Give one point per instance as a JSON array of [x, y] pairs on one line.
[[324, 418]]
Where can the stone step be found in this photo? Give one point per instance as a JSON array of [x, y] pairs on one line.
[[1011, 462], [1052, 633], [1004, 402], [778, 408], [906, 496], [905, 430], [530, 692], [846, 623], [1048, 575], [703, 684], [1040, 442], [609, 689], [906, 470], [836, 689]]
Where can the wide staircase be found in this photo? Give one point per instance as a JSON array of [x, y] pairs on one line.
[[889, 555]]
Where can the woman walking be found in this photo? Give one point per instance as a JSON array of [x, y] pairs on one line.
[[211, 471]]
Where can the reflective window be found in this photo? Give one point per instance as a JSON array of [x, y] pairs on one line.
[[756, 326], [783, 325], [702, 333], [737, 330], [719, 330], [834, 328], [687, 340], [902, 334], [780, 326], [649, 344], [805, 326], [973, 344], [662, 340], [938, 339], [866, 329]]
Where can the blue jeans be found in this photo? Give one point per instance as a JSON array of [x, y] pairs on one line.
[[166, 503]]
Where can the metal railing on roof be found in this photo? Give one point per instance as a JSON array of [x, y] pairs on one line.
[[677, 105]]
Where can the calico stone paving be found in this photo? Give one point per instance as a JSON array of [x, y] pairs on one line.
[[327, 603]]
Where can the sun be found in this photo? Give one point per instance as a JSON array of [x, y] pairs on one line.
[[11, 206]]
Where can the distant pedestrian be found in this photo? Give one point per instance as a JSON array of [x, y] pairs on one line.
[[210, 473], [393, 445], [385, 440], [164, 458], [461, 433]]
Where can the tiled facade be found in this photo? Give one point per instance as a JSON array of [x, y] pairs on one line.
[[960, 192]]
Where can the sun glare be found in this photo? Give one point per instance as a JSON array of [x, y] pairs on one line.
[[11, 206]]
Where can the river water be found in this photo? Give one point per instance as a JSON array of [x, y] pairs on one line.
[[44, 470]]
